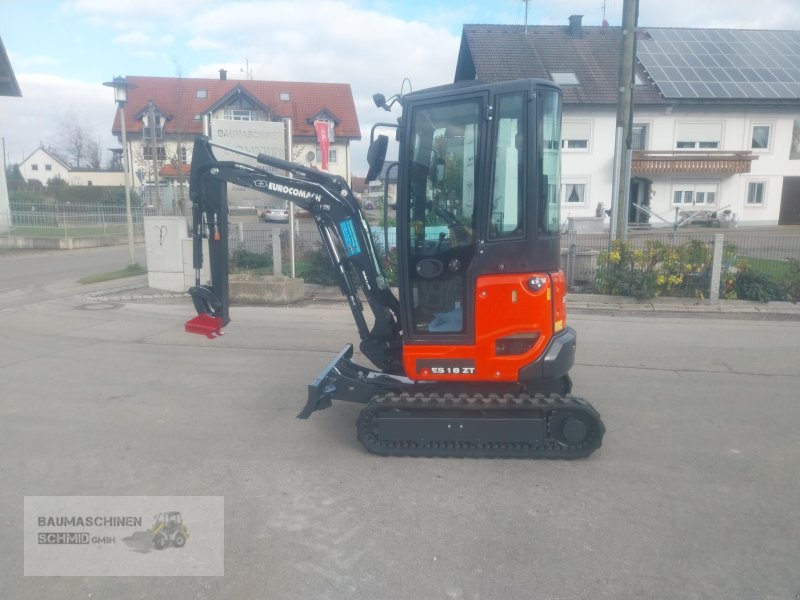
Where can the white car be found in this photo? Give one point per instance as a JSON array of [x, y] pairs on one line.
[[276, 213]]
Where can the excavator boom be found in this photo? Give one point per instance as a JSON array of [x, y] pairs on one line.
[[343, 229]]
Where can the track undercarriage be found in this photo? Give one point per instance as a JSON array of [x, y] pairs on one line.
[[404, 418]]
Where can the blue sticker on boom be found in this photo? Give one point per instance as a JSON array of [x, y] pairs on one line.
[[351, 245]]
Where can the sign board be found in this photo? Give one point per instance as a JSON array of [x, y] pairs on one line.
[[253, 137]]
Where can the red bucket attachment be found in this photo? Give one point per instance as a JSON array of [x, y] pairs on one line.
[[206, 325]]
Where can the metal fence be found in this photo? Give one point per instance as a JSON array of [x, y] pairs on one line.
[[684, 255], [583, 255], [771, 254], [40, 220]]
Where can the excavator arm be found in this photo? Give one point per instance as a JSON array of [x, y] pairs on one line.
[[343, 229]]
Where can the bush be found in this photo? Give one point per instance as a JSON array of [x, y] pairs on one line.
[[91, 194], [656, 270], [755, 286], [316, 267], [793, 289], [244, 261], [23, 199]]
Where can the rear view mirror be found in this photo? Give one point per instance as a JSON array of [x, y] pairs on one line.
[[376, 155]]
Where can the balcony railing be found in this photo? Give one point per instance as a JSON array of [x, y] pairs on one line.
[[682, 161]]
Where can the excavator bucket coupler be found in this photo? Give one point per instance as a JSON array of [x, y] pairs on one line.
[[206, 325]]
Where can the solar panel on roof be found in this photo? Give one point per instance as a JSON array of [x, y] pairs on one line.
[[763, 63]]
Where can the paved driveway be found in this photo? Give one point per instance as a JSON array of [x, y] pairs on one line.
[[693, 495]]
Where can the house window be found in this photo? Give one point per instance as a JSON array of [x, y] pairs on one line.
[[153, 135], [565, 78], [755, 193], [639, 137], [576, 135], [698, 136], [694, 194], [34, 167], [147, 152], [48, 167], [242, 114], [760, 138], [202, 94], [573, 194], [575, 144], [331, 155], [285, 96]]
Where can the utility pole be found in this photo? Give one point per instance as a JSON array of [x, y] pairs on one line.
[[622, 147], [151, 116]]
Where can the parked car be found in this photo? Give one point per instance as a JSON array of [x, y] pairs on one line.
[[276, 213]]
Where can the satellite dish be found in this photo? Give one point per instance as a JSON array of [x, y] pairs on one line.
[[310, 156]]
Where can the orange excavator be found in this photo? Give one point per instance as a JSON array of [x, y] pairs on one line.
[[473, 357]]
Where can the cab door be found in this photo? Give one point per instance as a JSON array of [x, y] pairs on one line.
[[439, 222]]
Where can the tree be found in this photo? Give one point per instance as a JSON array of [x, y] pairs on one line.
[[178, 159], [75, 142], [14, 178]]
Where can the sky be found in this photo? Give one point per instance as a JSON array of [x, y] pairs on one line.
[[62, 51]]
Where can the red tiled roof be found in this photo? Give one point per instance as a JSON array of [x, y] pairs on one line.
[[177, 98]]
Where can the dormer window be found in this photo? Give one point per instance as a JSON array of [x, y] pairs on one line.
[[564, 78]]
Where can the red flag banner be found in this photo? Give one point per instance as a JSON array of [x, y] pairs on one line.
[[323, 138]]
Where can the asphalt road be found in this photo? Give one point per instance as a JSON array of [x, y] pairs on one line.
[[693, 494], [30, 276]]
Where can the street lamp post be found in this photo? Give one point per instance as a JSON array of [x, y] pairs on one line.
[[121, 85]]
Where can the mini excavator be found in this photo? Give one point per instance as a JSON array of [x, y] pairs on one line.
[[473, 358]]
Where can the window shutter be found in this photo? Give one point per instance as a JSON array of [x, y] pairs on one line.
[[575, 131], [699, 132]]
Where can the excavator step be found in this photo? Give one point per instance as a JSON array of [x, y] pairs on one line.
[[508, 426]]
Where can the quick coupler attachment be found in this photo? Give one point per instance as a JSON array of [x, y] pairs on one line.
[[206, 304], [205, 324]]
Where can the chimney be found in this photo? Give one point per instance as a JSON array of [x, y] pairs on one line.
[[575, 29], [223, 74]]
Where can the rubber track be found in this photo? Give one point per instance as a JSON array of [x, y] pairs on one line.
[[549, 407]]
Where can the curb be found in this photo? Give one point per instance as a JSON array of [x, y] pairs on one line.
[[576, 303]]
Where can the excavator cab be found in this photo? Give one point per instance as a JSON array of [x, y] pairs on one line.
[[473, 358], [482, 296]]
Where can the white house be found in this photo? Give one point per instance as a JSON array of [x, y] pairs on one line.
[[716, 115], [44, 164]]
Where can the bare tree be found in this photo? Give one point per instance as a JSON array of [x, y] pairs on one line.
[[178, 159], [74, 140]]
